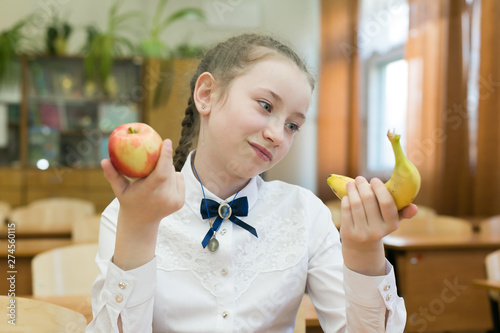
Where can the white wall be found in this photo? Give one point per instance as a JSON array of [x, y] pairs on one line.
[[294, 21]]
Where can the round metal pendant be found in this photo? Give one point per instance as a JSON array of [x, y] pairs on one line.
[[224, 210], [213, 244]]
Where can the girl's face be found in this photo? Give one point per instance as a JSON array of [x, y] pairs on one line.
[[252, 127]]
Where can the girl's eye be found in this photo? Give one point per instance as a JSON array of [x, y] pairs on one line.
[[266, 106], [292, 127]]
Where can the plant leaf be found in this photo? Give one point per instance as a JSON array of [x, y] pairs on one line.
[[106, 58], [123, 18], [182, 13], [10, 45], [158, 13], [122, 41], [112, 14], [19, 25]]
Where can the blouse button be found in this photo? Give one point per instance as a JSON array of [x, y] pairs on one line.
[[225, 314], [223, 232], [387, 287], [224, 271], [122, 285], [388, 297], [118, 298]]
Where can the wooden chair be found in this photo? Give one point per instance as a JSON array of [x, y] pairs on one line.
[[50, 216], [490, 226], [37, 316], [425, 212], [441, 225], [4, 210], [492, 268], [68, 270], [85, 229]]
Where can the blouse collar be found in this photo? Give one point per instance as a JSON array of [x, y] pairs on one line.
[[194, 193]]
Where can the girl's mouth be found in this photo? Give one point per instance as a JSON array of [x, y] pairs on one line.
[[262, 152]]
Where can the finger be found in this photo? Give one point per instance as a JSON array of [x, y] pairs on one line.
[[356, 204], [165, 164], [369, 200], [117, 181], [388, 209], [346, 221], [408, 212]]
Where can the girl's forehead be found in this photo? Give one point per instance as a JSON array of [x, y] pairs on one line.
[[279, 73], [273, 67]]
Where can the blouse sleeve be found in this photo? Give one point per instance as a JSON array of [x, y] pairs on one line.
[[345, 301], [118, 293]]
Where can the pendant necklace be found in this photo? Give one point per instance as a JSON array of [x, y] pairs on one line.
[[224, 211]]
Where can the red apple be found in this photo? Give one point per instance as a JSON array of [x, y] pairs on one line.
[[134, 149]]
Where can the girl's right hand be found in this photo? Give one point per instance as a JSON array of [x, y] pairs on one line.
[[149, 199], [143, 204]]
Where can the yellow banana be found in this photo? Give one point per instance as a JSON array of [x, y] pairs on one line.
[[403, 185], [338, 184]]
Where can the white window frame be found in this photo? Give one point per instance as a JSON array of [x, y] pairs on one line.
[[373, 83]]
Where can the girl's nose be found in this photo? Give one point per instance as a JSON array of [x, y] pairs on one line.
[[274, 133]]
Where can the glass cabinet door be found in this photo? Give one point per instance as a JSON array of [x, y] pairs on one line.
[[70, 118], [10, 118]]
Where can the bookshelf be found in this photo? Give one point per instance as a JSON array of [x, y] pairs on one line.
[[54, 124], [70, 118]]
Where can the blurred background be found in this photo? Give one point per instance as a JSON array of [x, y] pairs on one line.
[[426, 69], [72, 71], [53, 129]]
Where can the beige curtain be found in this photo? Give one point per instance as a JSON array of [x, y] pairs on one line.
[[486, 194], [438, 54], [454, 106], [338, 116]]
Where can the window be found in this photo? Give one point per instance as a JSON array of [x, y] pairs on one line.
[[382, 35], [386, 111]]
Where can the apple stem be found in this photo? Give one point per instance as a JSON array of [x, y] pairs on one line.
[[131, 130]]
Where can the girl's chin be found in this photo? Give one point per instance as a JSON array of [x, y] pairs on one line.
[[245, 170]]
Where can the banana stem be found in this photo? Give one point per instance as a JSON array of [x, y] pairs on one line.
[[396, 147], [401, 166], [398, 151]]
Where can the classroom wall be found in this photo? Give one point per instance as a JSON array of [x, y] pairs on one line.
[[295, 21]]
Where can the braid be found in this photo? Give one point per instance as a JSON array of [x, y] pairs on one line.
[[189, 124]]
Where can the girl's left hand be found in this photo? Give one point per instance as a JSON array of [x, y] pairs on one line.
[[368, 213]]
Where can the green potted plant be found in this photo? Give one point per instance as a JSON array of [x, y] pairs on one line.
[[57, 35], [153, 46], [11, 44], [102, 47]]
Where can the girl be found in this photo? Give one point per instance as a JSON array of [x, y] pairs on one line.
[[215, 248]]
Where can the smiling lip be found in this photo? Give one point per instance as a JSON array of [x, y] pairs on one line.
[[262, 152]]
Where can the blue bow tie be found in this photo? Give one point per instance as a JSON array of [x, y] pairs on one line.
[[239, 207]]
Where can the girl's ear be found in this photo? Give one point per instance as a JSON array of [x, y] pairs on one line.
[[204, 92]]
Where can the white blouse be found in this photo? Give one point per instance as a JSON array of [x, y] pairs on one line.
[[249, 284]]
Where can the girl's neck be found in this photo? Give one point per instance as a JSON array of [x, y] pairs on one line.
[[216, 180]]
